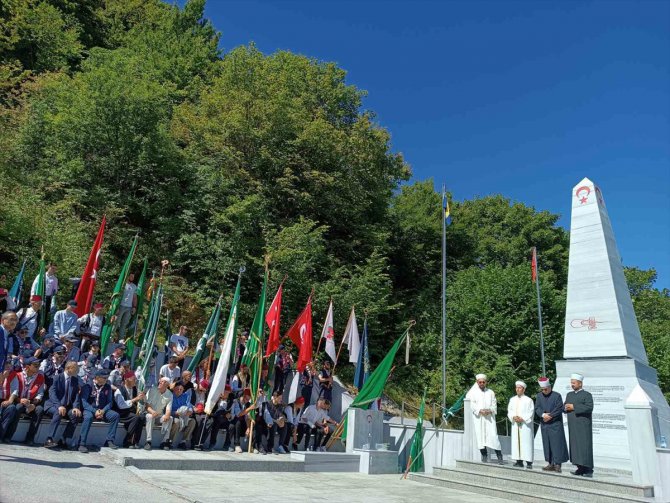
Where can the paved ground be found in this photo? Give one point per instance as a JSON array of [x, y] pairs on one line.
[[39, 475]]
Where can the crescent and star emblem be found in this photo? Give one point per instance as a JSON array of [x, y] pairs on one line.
[[585, 191]]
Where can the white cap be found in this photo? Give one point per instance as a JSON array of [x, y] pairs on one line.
[[520, 383], [481, 376], [577, 377], [544, 382]]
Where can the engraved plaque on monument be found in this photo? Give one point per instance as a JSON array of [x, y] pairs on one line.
[[602, 338]]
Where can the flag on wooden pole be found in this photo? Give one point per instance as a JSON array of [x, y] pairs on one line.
[[301, 335], [352, 337]]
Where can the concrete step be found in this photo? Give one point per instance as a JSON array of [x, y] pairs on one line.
[[328, 461], [552, 488], [206, 461], [483, 489], [607, 481]]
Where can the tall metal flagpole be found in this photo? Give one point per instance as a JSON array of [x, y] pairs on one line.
[[539, 309], [444, 297]]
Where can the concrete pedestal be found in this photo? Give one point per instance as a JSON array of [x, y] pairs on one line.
[[365, 429], [378, 462]]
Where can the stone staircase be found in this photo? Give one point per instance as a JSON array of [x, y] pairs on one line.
[[520, 484]]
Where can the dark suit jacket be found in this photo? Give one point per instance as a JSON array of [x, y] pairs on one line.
[[57, 395]]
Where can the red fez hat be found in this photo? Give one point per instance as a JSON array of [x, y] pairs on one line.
[[98, 305], [300, 400], [128, 375], [35, 298], [199, 408], [227, 388], [247, 392], [204, 383]]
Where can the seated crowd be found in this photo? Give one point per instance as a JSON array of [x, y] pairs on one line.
[[64, 378]]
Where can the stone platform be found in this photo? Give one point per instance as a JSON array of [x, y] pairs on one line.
[[535, 485]]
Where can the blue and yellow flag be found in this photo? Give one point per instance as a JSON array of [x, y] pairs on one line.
[[445, 206]]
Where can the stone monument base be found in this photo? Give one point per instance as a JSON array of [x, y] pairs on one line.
[[610, 381]]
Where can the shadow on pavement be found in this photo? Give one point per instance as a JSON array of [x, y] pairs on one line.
[[54, 464]]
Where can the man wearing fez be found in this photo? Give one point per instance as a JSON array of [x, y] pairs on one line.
[[520, 412], [485, 408], [549, 408], [579, 407]]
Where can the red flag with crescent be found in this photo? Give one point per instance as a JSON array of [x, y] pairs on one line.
[[272, 319], [84, 295], [301, 335], [533, 266]]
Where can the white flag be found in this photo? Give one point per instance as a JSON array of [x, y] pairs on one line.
[[293, 389], [218, 383], [352, 338], [328, 333]]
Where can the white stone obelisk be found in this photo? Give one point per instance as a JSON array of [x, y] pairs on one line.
[[602, 339]]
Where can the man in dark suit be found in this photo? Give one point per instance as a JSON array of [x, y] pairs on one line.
[[64, 400]]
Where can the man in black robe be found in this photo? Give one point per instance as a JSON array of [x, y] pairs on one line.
[[579, 407], [549, 408]]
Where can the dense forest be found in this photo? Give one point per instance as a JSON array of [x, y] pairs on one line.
[[216, 159]]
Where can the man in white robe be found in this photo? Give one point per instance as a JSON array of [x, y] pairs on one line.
[[520, 412], [485, 407]]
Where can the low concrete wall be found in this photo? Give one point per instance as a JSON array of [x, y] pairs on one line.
[[662, 490]]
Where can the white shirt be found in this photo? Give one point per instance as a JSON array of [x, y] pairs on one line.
[[312, 415], [128, 295], [50, 285], [95, 325], [29, 321], [172, 374], [179, 341]]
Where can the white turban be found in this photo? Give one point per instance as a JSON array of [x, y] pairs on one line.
[[481, 376], [577, 377], [520, 383], [544, 382]]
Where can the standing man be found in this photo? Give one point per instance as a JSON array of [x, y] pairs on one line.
[[127, 306], [485, 407], [50, 285], [8, 322], [179, 343], [520, 411], [579, 408], [549, 407], [29, 317], [90, 326], [66, 322]]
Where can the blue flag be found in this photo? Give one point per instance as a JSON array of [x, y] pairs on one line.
[[15, 291], [445, 207], [363, 364]]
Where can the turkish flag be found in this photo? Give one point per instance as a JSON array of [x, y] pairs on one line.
[[84, 295], [301, 335], [272, 320]]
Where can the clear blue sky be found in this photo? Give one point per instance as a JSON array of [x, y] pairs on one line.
[[518, 98]]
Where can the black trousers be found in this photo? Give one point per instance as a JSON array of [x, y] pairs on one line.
[[240, 429], [320, 436], [303, 431], [133, 423], [220, 422], [35, 418], [261, 429]]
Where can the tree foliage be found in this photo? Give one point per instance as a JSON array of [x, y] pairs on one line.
[[128, 108]]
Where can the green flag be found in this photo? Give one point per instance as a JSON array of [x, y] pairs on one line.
[[116, 299], [232, 317], [374, 386], [208, 335], [147, 351], [416, 450], [253, 355]]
